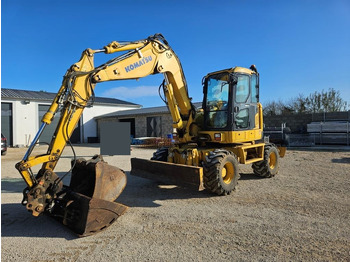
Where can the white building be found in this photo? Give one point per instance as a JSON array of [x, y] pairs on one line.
[[22, 110]]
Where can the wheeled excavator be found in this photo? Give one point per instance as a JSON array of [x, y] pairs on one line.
[[209, 143]]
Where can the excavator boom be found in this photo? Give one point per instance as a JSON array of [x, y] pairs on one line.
[[88, 204]]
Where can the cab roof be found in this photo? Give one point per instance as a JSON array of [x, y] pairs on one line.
[[236, 69]]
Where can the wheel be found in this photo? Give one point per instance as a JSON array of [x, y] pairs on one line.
[[161, 154], [220, 172], [3, 153], [270, 165]]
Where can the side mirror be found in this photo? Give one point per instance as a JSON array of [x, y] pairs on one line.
[[234, 79]]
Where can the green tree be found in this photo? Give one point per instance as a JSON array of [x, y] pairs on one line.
[[273, 108], [298, 104], [326, 101]]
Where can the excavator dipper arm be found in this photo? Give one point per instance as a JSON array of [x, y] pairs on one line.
[[87, 204]]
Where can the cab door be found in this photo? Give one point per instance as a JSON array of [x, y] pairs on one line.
[[245, 102]]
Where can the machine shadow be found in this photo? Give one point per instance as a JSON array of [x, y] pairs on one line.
[[17, 222], [343, 160], [249, 176], [13, 185], [141, 192], [17, 185]]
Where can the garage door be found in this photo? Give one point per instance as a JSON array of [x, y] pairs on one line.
[[46, 136], [132, 125], [50, 129], [6, 121]]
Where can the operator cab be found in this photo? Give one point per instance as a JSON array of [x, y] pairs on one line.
[[230, 99]]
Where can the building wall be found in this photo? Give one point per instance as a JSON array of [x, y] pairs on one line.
[[25, 119], [89, 124], [141, 124]]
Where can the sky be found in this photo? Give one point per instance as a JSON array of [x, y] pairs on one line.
[[298, 47]]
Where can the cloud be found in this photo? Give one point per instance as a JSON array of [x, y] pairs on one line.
[[131, 92]]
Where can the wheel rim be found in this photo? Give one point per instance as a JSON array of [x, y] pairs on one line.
[[272, 160], [227, 173]]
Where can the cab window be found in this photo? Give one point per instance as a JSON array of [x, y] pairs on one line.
[[254, 87], [242, 118], [217, 100], [242, 89]]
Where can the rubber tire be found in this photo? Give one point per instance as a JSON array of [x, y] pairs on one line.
[[263, 168], [3, 153], [161, 154], [213, 165]]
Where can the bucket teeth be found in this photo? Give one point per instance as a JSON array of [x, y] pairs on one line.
[[87, 216], [87, 206]]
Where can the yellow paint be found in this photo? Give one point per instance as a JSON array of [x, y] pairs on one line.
[[272, 160], [236, 69], [33, 161], [235, 136], [281, 151], [195, 156], [27, 178], [228, 173], [117, 47]]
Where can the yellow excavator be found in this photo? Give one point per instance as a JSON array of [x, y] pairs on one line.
[[209, 143]]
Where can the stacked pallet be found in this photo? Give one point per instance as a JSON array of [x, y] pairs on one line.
[[277, 135], [328, 127], [335, 133]]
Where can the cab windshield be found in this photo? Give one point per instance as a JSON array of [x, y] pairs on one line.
[[217, 100]]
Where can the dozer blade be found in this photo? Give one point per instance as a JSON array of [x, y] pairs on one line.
[[183, 175], [88, 206]]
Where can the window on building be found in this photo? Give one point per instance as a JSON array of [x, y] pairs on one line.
[[6, 121], [154, 126]]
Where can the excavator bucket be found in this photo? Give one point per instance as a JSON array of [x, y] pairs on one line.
[[87, 205], [176, 174], [96, 179], [86, 216]]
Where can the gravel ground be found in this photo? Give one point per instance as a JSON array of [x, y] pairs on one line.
[[302, 214]]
